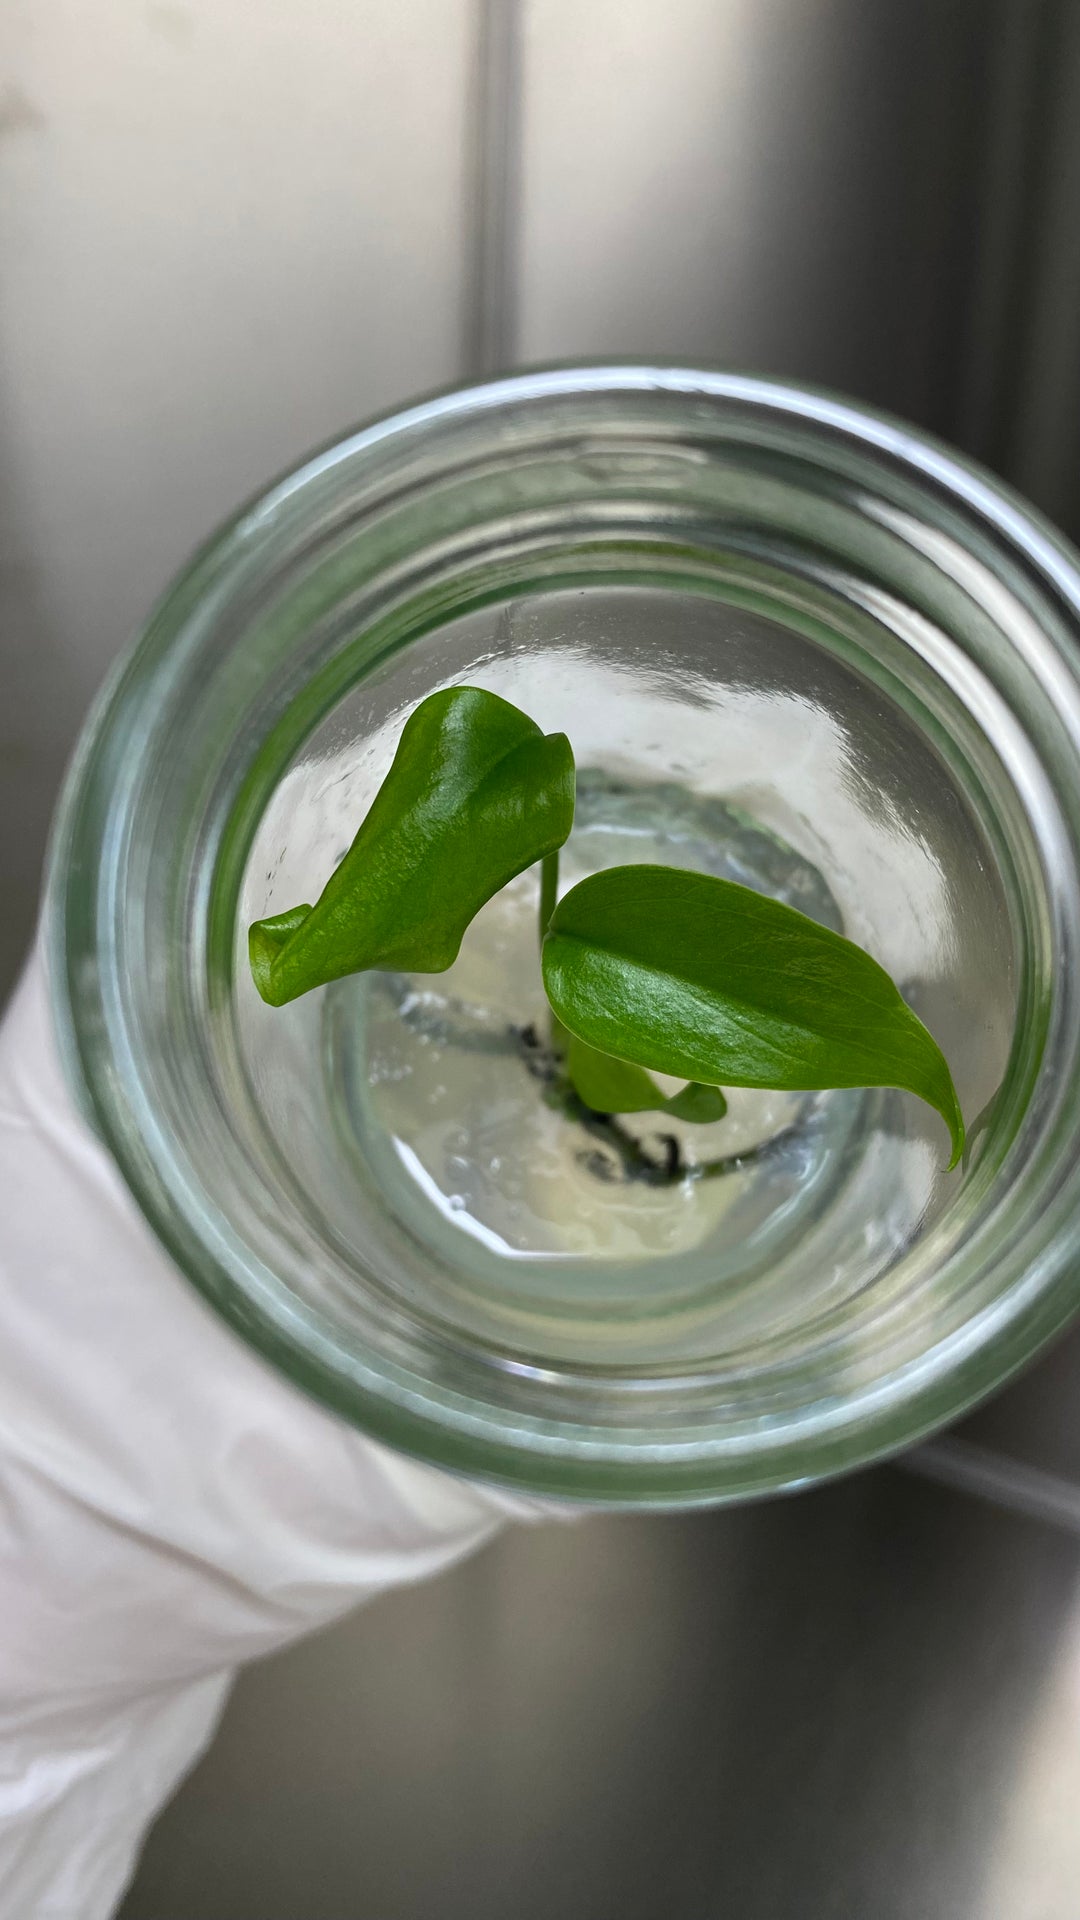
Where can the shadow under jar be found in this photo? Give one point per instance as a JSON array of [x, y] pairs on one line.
[[793, 644]]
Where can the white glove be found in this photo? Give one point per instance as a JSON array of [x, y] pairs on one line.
[[169, 1506]]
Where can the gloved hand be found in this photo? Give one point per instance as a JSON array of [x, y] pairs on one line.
[[169, 1505]]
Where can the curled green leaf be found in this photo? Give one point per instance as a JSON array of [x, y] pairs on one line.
[[476, 793], [690, 975], [608, 1085], [266, 938]]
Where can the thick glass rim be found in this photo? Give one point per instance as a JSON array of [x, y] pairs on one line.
[[1037, 1250]]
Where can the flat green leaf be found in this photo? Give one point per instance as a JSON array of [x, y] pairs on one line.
[[690, 975], [475, 794], [615, 1086]]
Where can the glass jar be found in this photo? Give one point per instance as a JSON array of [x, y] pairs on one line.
[[792, 641]]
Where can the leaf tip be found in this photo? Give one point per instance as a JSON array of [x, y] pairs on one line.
[[949, 1109], [266, 940]]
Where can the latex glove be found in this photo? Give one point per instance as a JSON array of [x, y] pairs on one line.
[[169, 1505]]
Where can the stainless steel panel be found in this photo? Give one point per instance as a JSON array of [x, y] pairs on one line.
[[779, 184], [861, 1702], [228, 229], [877, 198]]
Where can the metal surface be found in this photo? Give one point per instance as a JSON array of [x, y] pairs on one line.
[[228, 229], [863, 1702], [952, 1460], [878, 198], [791, 185], [493, 212], [1036, 1420]]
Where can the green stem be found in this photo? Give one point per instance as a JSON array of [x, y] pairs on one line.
[[549, 893], [544, 1063], [549, 889]]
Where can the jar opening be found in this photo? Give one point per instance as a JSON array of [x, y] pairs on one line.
[[791, 644]]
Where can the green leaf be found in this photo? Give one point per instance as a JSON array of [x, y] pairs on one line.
[[265, 941], [696, 1102], [687, 974], [615, 1086], [475, 794]]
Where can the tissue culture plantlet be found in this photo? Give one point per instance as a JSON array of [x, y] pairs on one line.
[[647, 969]]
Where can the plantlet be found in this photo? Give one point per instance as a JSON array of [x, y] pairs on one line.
[[647, 969]]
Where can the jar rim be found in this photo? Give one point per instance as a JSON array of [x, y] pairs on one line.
[[85, 867]]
